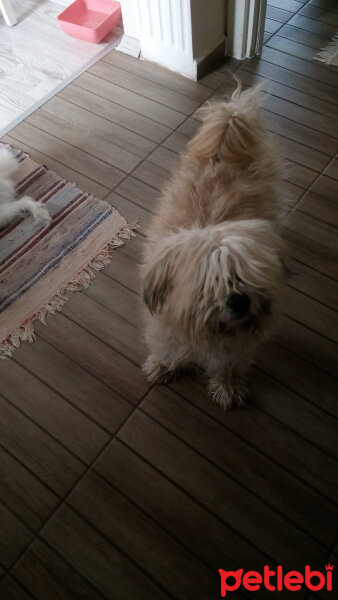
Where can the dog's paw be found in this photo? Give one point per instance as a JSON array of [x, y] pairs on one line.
[[228, 394], [155, 371]]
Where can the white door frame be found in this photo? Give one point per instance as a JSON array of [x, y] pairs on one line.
[[187, 35], [245, 28]]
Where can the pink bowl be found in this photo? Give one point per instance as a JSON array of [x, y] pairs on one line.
[[90, 20]]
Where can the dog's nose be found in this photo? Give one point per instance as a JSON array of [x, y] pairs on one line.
[[238, 304]]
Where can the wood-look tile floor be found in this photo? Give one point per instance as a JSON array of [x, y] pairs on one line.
[[110, 489]]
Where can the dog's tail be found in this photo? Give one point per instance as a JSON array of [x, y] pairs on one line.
[[230, 130], [8, 164]]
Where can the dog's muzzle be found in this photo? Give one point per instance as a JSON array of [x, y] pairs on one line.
[[238, 305]]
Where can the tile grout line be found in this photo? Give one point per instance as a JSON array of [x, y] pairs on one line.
[[113, 189], [69, 357], [156, 83], [251, 444], [194, 499], [108, 193], [286, 22], [7, 577], [142, 95], [330, 160], [89, 466], [10, 135], [140, 401], [60, 395], [153, 520], [310, 187], [217, 467], [294, 392]]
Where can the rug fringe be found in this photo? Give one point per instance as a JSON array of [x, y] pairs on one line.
[[328, 53], [25, 333]]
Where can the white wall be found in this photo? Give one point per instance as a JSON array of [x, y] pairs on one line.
[[165, 33], [130, 15], [245, 27], [177, 34], [208, 19]]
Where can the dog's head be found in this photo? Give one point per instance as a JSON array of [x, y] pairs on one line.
[[215, 280]]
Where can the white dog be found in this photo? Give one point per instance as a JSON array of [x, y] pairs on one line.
[[10, 208], [213, 264]]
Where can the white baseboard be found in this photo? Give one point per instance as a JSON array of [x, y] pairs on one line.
[[129, 45]]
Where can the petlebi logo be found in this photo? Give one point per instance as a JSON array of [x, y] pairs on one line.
[[276, 580]]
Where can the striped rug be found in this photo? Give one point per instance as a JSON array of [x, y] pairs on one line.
[[39, 268]]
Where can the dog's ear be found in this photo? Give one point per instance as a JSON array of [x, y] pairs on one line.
[[157, 274]]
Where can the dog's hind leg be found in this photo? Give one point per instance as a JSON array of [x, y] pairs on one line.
[[9, 211], [38, 210], [12, 210]]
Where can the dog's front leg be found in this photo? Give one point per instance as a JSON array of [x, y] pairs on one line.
[[227, 373], [167, 357], [156, 371], [228, 391]]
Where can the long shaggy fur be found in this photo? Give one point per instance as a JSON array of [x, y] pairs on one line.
[[11, 209], [215, 235]]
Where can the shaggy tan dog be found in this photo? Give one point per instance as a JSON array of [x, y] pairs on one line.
[[213, 263]]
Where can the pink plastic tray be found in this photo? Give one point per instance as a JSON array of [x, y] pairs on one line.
[[90, 20]]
